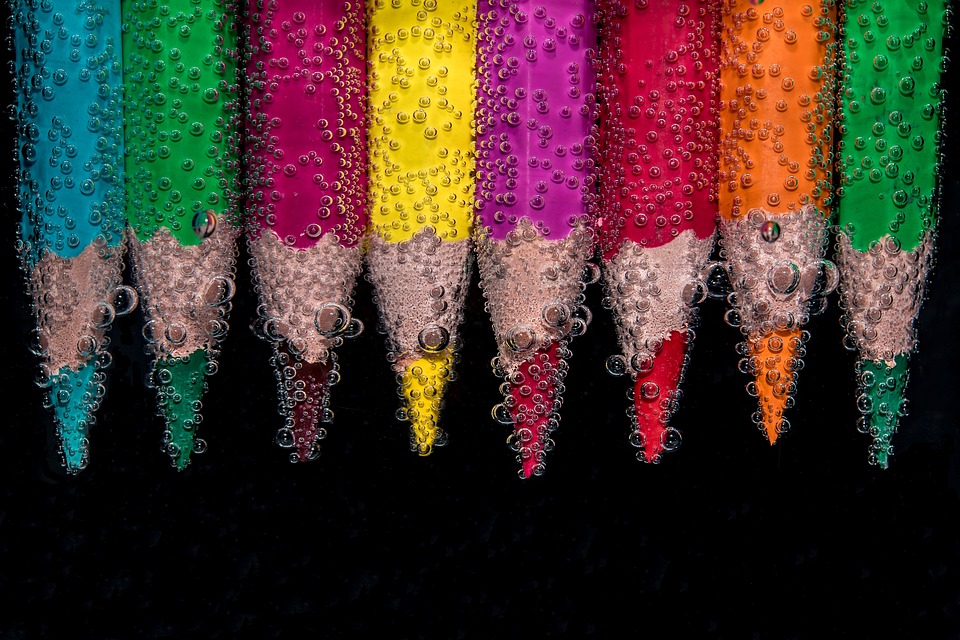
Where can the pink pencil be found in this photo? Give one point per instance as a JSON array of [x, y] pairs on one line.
[[658, 186], [306, 159], [536, 138]]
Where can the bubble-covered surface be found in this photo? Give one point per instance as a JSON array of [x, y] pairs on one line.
[[69, 120], [181, 383], [659, 119], [305, 145], [891, 104], [181, 111], [882, 291], [182, 145], [422, 92], [422, 384], [306, 161], [536, 115], [656, 396], [75, 301], [305, 301], [304, 391], [534, 288], [882, 403], [653, 293], [422, 83], [890, 148], [419, 288], [532, 401], [777, 85]]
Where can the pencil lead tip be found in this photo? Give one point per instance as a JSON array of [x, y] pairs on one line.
[[75, 395], [655, 394], [531, 405], [774, 360], [181, 383], [882, 403], [422, 385], [304, 388]]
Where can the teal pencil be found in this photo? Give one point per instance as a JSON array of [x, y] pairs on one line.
[[70, 137]]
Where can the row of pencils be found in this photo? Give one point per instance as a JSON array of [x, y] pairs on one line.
[[675, 149]]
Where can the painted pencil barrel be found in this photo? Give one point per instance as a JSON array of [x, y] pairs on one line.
[[658, 172]]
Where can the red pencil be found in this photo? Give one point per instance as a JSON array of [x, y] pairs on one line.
[[658, 186], [306, 160]]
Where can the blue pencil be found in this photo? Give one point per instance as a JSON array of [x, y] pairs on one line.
[[70, 187]]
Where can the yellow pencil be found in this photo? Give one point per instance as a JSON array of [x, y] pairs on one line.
[[421, 163]]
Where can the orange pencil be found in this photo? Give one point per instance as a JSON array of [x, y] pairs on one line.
[[777, 83]]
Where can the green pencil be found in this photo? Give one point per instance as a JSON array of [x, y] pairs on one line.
[[889, 154], [181, 125]]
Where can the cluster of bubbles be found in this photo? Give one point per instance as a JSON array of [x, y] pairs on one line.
[[176, 380], [76, 302], [305, 145], [305, 402], [657, 88], [421, 389], [882, 291], [535, 118], [534, 287], [881, 404], [778, 279], [651, 297], [419, 286], [666, 404], [188, 292], [784, 58], [776, 360], [534, 352], [306, 297]]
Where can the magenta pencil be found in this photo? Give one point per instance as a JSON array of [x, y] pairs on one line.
[[658, 186], [306, 162], [536, 139]]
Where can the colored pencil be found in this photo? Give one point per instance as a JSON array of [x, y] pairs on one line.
[[182, 143], [305, 150], [889, 162], [421, 171], [535, 194], [658, 184], [70, 238], [777, 94]]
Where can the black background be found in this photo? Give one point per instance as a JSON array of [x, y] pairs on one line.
[[727, 538]]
